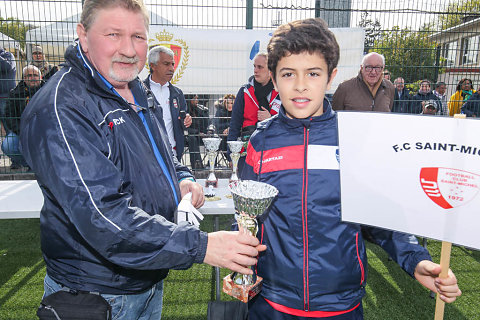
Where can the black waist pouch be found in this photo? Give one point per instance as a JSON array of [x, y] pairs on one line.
[[67, 305]]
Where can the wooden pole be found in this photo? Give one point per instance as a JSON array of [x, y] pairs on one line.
[[445, 264], [444, 261]]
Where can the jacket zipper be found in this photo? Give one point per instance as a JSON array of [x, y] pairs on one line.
[[362, 278], [306, 293]]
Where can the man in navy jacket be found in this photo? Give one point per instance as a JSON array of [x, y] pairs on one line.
[[96, 140]]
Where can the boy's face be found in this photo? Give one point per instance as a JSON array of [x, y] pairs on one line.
[[302, 80]]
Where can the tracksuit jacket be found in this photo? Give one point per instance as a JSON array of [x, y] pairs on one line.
[[108, 203], [245, 109], [314, 262]]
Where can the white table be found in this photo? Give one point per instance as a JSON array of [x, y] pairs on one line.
[[20, 199], [24, 199]]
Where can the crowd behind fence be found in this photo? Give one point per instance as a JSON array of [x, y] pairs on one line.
[[434, 40]]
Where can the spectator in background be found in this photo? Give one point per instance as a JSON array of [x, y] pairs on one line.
[[255, 101], [387, 75], [16, 103], [472, 107], [424, 94], [463, 92], [429, 107], [402, 98], [368, 91], [222, 119], [439, 92], [170, 98], [224, 113], [47, 69], [7, 81], [199, 114]]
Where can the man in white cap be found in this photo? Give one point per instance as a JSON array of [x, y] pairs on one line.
[[41, 63]]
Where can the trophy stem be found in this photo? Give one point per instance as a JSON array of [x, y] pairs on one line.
[[235, 157], [249, 226], [212, 179]]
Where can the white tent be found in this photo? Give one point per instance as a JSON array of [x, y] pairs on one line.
[[8, 43]]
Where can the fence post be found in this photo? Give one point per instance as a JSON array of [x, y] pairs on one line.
[[249, 22]]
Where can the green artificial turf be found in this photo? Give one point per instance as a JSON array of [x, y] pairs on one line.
[[391, 293]]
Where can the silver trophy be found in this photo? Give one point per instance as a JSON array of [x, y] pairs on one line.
[[251, 199], [212, 145], [235, 149]]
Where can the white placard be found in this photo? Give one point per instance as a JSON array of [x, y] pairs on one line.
[[412, 173]]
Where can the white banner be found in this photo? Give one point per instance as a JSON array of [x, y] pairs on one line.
[[216, 61], [412, 173]]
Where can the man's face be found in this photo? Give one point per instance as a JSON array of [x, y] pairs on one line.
[[302, 80], [425, 87], [163, 71], [260, 70], [118, 50], [37, 56], [429, 109], [386, 75], [372, 69], [32, 78], [441, 89], [399, 84]]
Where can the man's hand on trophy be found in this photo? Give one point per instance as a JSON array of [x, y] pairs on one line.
[[233, 250], [186, 186]]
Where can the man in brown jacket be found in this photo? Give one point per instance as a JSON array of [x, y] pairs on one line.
[[368, 91]]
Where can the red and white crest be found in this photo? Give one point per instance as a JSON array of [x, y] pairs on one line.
[[179, 48], [449, 188]]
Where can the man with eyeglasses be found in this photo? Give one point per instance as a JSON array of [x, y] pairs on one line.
[[17, 102], [368, 91]]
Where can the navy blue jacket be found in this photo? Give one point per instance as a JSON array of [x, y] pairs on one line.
[[7, 72], [313, 261], [106, 222], [177, 102], [401, 104], [416, 104], [472, 107]]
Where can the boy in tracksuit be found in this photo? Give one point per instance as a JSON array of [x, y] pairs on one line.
[[315, 264]]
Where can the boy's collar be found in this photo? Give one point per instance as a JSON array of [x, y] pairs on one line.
[[327, 114]]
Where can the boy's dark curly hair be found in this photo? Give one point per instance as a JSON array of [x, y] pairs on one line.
[[309, 35]]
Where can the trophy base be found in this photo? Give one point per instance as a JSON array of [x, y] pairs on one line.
[[213, 183], [242, 292]]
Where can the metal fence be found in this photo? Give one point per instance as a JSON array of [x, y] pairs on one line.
[[433, 40]]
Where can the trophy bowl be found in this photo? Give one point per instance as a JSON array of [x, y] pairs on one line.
[[235, 149], [251, 199]]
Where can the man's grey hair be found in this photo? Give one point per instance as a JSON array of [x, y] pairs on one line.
[[31, 67], [368, 55], [91, 8], [440, 83], [154, 54]]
